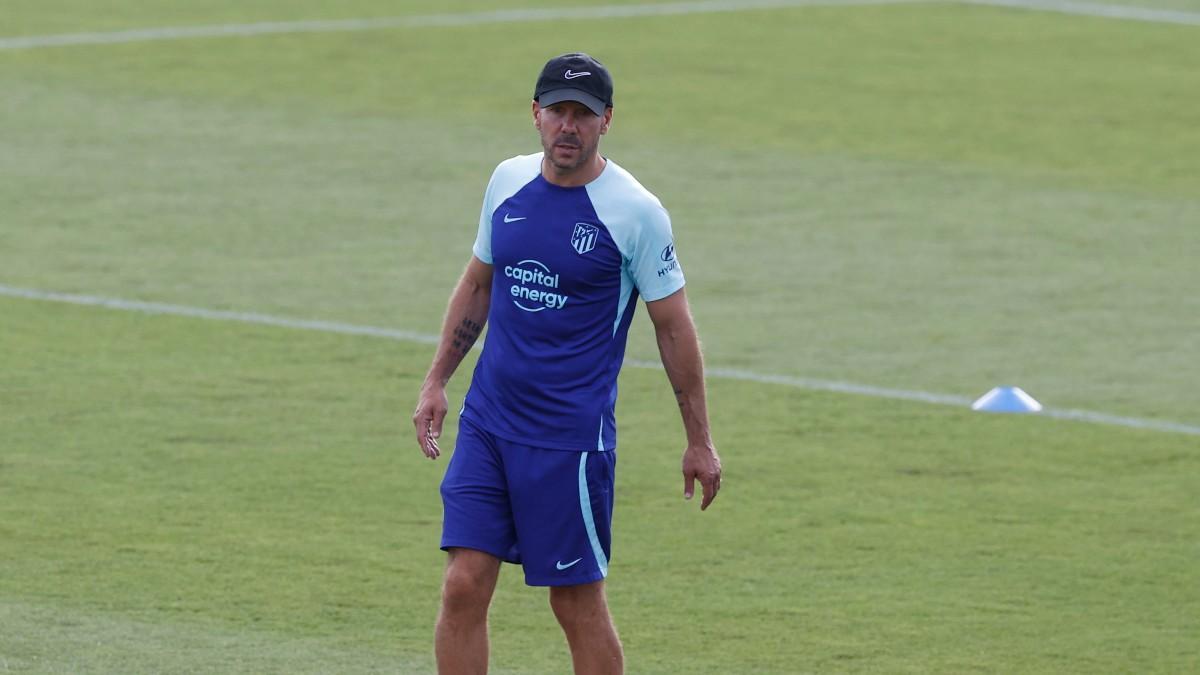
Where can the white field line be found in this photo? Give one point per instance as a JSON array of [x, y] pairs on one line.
[[1097, 9], [713, 372], [430, 20], [216, 314]]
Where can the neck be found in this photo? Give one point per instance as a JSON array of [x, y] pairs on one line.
[[580, 175]]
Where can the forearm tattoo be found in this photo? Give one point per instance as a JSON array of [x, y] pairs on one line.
[[465, 336], [679, 397]]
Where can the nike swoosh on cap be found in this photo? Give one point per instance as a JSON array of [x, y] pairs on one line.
[[570, 75]]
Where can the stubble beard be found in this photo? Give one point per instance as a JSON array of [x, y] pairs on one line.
[[584, 155]]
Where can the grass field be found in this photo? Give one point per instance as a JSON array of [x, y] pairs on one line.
[[932, 197]]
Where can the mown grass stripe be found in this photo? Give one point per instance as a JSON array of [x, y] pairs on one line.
[[1101, 10], [425, 21], [713, 371], [552, 14]]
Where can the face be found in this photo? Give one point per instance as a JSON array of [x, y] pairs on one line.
[[570, 133]]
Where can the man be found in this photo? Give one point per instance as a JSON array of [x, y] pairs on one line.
[[567, 241]]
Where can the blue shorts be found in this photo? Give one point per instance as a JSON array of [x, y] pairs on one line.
[[547, 510]]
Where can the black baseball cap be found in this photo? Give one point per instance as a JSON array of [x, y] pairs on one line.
[[575, 77]]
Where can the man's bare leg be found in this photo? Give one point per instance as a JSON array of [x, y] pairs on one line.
[[582, 611], [460, 640]]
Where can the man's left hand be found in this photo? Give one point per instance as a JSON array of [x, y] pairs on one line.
[[700, 462]]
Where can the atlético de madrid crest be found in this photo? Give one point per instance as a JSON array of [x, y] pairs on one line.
[[583, 239]]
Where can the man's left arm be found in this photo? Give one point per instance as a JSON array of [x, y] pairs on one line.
[[679, 346]]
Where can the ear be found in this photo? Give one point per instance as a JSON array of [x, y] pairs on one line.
[[537, 115], [607, 121]]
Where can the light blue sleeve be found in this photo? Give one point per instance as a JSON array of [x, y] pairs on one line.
[[483, 240], [641, 229], [508, 178], [652, 263]]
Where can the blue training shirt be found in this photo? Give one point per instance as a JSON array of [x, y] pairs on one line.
[[568, 265]]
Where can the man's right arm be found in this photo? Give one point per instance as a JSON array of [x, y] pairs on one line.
[[465, 318]]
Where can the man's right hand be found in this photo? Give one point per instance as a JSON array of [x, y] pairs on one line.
[[427, 420], [463, 324]]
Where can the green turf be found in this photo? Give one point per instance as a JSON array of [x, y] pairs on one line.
[[36, 17], [1009, 89], [953, 202], [931, 197], [185, 496], [1168, 5]]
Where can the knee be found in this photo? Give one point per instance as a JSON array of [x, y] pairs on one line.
[[465, 594]]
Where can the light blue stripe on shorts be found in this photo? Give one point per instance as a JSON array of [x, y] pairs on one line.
[[585, 505]]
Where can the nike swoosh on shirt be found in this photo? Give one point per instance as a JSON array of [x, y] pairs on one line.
[[561, 566], [507, 219]]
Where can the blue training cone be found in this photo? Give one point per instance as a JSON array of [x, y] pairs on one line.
[[1007, 400]]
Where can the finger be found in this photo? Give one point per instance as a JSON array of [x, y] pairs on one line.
[[422, 423], [435, 427], [689, 485], [421, 427], [710, 491], [433, 450]]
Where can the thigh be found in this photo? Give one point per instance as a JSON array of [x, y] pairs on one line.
[[562, 510], [475, 497]]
